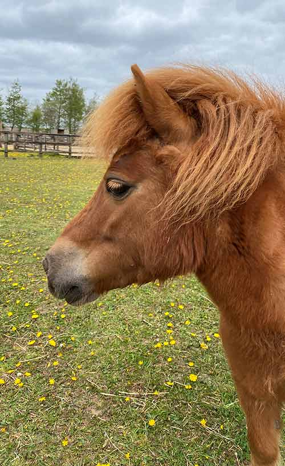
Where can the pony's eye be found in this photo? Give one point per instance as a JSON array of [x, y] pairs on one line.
[[117, 189]]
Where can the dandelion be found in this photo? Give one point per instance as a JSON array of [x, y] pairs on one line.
[[27, 374], [203, 422], [180, 306], [140, 363], [17, 381], [170, 324], [73, 377], [42, 398], [204, 346], [216, 335], [169, 359], [156, 392], [188, 386], [221, 426], [31, 342], [51, 381], [39, 334], [187, 322], [172, 304], [9, 314], [151, 422], [193, 377], [172, 342], [191, 364], [127, 455], [158, 345], [2, 382], [170, 384], [127, 398], [35, 316], [52, 342], [169, 331], [62, 316], [64, 442]]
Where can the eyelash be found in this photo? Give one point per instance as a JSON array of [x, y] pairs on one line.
[[117, 188]]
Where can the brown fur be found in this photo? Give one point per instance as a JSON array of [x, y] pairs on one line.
[[204, 152], [241, 135]]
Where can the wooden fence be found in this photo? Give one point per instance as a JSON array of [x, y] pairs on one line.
[[19, 141]]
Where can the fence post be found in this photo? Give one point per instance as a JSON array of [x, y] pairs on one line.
[[69, 148], [40, 146], [6, 145]]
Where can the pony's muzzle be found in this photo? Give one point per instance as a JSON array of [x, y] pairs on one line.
[[66, 281]]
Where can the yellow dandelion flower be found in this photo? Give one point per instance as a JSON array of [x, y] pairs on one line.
[[187, 322], [62, 316], [180, 306], [216, 335], [92, 353], [2, 382], [51, 381], [127, 455], [73, 377], [27, 374], [26, 304], [156, 392], [166, 343], [64, 442], [42, 398], [170, 324], [188, 386], [158, 345], [221, 426], [41, 290], [170, 384], [17, 381], [166, 313], [191, 364], [35, 316], [203, 422], [151, 422], [14, 328], [172, 304], [31, 342], [9, 314], [127, 398], [140, 363], [204, 346], [193, 377], [172, 342], [169, 359], [52, 343], [169, 331], [39, 334]]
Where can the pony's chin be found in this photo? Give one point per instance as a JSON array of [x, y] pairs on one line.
[[89, 298]]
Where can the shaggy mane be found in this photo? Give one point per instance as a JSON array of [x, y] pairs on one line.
[[241, 135]]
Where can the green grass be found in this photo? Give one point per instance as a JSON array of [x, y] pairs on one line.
[[110, 376]]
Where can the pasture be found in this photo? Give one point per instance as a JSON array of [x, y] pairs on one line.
[[137, 378]]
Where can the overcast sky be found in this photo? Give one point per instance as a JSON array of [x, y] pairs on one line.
[[96, 41]]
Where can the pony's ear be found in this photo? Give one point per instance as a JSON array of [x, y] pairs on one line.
[[161, 112]]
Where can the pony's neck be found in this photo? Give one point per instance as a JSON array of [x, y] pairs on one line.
[[244, 266]]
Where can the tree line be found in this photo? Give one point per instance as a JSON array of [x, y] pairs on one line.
[[65, 106]]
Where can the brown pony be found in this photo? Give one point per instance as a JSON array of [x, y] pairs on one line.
[[196, 183]]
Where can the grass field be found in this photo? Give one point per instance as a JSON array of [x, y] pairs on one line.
[[137, 378]]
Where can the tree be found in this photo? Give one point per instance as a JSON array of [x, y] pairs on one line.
[[53, 105], [92, 105], [16, 107], [36, 119], [22, 114], [74, 106], [2, 111]]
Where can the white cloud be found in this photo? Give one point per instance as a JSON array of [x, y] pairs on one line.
[[97, 41]]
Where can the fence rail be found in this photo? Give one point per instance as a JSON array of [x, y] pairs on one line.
[[38, 142]]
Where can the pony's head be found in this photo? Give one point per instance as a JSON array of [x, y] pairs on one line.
[[178, 153]]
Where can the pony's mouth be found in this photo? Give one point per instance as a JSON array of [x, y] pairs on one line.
[[84, 300], [76, 294]]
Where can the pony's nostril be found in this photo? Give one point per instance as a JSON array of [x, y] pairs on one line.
[[45, 264]]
